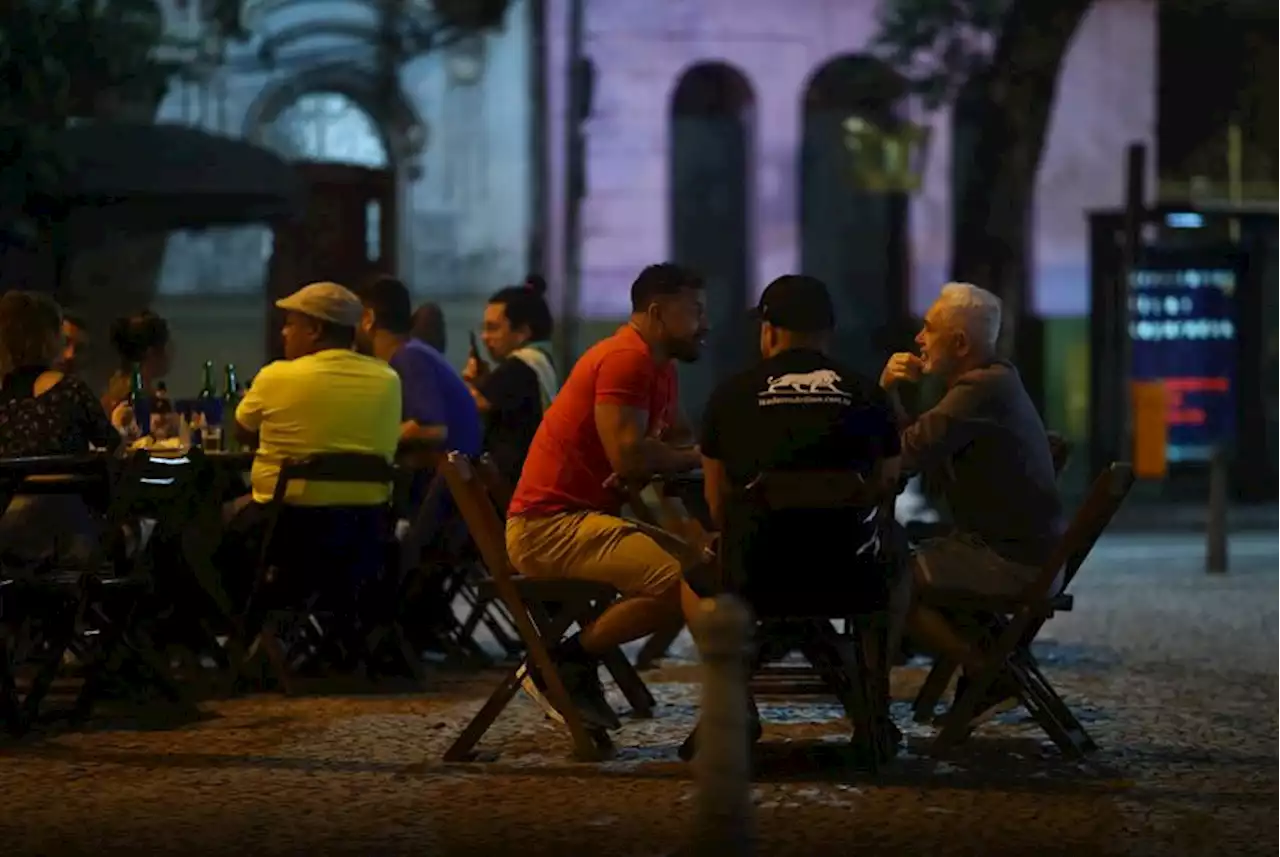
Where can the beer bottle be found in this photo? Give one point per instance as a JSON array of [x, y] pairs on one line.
[[207, 390], [207, 407], [138, 400], [230, 398]]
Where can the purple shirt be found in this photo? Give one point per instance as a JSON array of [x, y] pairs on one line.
[[435, 394]]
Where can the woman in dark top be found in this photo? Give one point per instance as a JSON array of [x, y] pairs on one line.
[[44, 412], [141, 340], [513, 394]]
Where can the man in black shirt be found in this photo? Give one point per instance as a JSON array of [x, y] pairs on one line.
[[798, 410], [513, 394]]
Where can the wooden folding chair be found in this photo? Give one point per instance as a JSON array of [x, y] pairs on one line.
[[259, 628], [439, 569], [849, 664], [482, 604], [542, 610], [89, 609], [1017, 621]]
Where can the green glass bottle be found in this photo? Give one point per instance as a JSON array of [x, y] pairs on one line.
[[207, 389], [207, 409], [139, 401], [230, 398]]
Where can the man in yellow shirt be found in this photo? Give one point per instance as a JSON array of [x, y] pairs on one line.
[[322, 398]]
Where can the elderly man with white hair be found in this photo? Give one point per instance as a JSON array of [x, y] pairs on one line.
[[987, 446]]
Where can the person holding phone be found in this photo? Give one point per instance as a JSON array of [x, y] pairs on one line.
[[513, 394]]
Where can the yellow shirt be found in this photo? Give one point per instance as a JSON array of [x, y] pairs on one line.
[[331, 401]]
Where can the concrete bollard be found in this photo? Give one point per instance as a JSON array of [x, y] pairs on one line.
[[722, 764], [1215, 559]]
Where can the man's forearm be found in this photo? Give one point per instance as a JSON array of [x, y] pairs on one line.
[[414, 430], [652, 457], [900, 414], [482, 404]]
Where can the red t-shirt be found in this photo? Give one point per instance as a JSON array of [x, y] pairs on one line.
[[566, 467]]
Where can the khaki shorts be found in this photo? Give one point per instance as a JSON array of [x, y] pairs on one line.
[[634, 558], [957, 564]]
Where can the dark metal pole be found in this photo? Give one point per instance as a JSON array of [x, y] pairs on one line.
[[574, 189], [539, 210], [1135, 210], [1215, 557]]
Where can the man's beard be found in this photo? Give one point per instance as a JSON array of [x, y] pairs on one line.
[[685, 350]]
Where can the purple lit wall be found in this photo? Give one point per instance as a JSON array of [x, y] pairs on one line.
[[1106, 100]]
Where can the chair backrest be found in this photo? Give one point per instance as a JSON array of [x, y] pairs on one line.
[[347, 467], [500, 490], [1105, 497], [52, 474], [161, 484], [480, 515], [342, 467], [425, 525], [783, 490]]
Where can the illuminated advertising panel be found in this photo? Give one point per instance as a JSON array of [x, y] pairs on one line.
[[1182, 324]]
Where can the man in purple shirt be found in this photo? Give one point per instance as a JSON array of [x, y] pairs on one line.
[[437, 403]]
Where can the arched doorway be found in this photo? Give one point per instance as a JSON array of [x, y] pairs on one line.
[[711, 139], [853, 240], [327, 127], [349, 232]]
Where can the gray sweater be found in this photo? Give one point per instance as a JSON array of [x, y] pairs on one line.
[[990, 443]]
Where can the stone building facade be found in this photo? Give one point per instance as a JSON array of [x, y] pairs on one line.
[[710, 140]]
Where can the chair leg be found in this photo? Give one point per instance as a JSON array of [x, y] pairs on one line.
[[536, 626], [10, 705], [461, 749], [1051, 712], [935, 684], [957, 721], [655, 648], [1055, 701], [275, 654], [630, 683], [504, 628], [58, 642]]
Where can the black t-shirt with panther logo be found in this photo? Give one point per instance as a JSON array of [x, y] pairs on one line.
[[799, 410]]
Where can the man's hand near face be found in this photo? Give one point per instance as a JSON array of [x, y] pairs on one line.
[[903, 366]]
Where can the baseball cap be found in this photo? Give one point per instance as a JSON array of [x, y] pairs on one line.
[[797, 302], [326, 301]]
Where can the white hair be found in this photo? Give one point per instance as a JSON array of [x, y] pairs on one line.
[[977, 311]]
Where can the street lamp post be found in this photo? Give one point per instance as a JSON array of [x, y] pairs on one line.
[[581, 78]]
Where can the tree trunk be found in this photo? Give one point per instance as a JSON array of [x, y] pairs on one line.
[[1000, 121]]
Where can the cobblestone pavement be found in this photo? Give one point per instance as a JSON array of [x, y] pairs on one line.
[[1173, 671]]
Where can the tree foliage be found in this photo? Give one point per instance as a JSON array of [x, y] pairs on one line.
[[997, 63], [938, 45], [58, 59]]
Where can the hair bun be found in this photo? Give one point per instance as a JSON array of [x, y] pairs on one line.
[[536, 284]]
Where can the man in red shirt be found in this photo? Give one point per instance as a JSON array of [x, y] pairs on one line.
[[609, 422]]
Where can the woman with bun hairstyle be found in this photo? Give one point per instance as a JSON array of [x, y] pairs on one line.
[[142, 340], [514, 392]]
